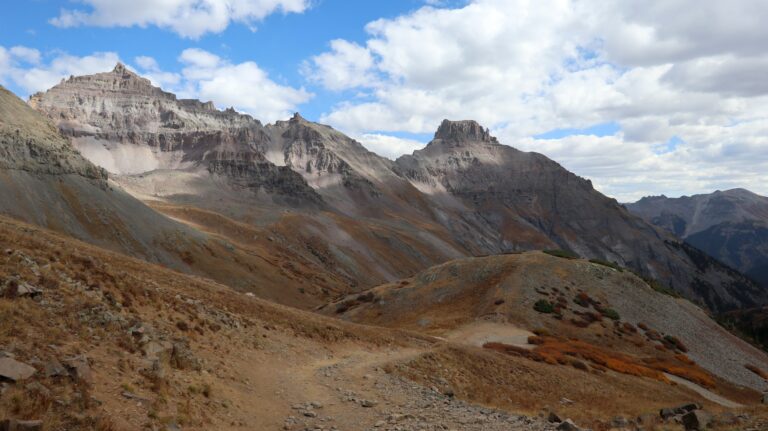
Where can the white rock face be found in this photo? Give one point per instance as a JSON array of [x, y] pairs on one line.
[[119, 121], [45, 181]]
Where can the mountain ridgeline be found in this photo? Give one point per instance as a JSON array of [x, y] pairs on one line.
[[355, 218], [731, 226]]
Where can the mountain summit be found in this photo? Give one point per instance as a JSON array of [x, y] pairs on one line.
[[463, 131]]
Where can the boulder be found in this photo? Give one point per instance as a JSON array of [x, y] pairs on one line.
[[182, 357], [553, 418], [79, 369], [160, 350], [28, 291], [14, 288], [685, 408], [15, 425], [667, 413], [13, 370], [53, 368], [695, 420], [619, 422], [568, 425]]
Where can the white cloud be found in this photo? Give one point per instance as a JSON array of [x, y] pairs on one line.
[[150, 69], [389, 146], [147, 63], [661, 69], [244, 86], [27, 55], [24, 67], [199, 58], [348, 65], [188, 18]]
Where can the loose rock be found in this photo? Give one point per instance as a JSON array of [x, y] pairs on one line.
[[568, 425], [79, 369], [695, 420], [13, 370]]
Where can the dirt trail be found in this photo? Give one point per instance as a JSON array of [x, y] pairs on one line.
[[479, 333], [355, 393], [704, 392]]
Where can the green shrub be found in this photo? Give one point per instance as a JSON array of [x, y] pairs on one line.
[[565, 254], [613, 265], [544, 306], [610, 313], [655, 285]]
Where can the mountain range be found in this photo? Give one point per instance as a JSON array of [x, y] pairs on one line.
[[363, 218], [168, 265], [731, 226]]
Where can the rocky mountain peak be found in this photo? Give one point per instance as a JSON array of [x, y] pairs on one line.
[[463, 131], [119, 69]]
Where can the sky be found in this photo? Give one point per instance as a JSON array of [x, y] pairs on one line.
[[644, 97]]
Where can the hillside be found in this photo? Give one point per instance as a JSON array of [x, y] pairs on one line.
[[115, 343], [508, 298]]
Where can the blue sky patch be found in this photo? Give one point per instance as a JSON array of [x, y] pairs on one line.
[[603, 129]]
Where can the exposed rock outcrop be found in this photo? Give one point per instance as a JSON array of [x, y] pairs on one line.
[[121, 112]]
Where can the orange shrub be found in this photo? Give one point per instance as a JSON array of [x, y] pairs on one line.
[[554, 350]]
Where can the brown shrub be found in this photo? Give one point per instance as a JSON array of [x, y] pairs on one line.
[[674, 343], [628, 328], [653, 335], [575, 363], [553, 350], [757, 371], [583, 299]]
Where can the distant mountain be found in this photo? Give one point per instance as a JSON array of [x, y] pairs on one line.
[[731, 226], [527, 201], [320, 197]]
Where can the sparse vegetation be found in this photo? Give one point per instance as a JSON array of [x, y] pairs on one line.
[[565, 254], [674, 343], [613, 265], [554, 350], [657, 286], [610, 313], [544, 306]]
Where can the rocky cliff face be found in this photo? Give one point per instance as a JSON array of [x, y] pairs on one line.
[[44, 180], [530, 201], [29, 144], [731, 226], [120, 120]]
